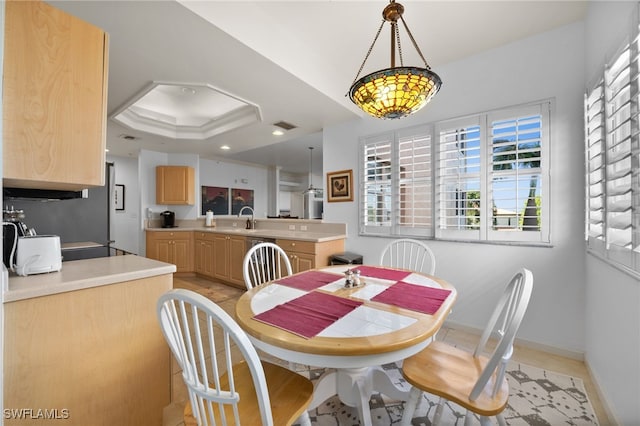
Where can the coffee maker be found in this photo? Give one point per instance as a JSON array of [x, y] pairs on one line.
[[12, 228], [168, 219]]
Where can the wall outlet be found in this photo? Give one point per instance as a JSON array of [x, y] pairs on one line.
[[234, 224], [292, 227], [303, 227]]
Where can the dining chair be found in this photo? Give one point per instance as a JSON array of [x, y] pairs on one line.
[[474, 381], [411, 254], [264, 262], [205, 342]]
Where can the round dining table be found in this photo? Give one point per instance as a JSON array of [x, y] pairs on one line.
[[355, 346]]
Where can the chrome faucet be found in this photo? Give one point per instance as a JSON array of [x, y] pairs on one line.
[[253, 222]]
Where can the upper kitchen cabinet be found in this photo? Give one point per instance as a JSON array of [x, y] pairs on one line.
[[54, 100], [175, 185]]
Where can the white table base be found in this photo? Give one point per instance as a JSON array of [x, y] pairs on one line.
[[354, 387], [353, 378]]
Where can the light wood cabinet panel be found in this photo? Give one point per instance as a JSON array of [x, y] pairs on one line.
[[175, 185], [228, 254], [203, 249], [171, 247], [237, 250], [54, 99], [98, 353], [305, 255]]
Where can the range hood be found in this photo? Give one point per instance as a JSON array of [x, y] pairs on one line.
[[42, 194]]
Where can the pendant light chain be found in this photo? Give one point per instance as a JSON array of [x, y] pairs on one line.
[[368, 53], [406, 27], [395, 26]]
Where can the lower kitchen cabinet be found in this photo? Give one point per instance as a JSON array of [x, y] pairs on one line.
[[172, 247], [203, 250], [93, 356], [305, 255], [228, 254]]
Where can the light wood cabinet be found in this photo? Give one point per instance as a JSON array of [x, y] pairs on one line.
[[203, 249], [54, 99], [175, 185], [305, 255], [228, 254], [97, 353], [172, 247]]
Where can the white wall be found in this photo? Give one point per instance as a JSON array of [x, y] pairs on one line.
[[612, 297], [545, 66], [125, 223]]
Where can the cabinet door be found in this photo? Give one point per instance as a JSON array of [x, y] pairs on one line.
[[204, 257], [182, 255], [304, 262], [54, 100], [237, 250], [221, 256], [175, 185]]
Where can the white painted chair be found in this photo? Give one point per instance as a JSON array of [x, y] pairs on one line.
[[202, 338], [409, 254], [472, 380], [264, 262]]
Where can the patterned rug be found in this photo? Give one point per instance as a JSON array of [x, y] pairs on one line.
[[537, 397]]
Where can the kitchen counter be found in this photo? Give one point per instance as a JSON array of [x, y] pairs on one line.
[[316, 237], [82, 274]]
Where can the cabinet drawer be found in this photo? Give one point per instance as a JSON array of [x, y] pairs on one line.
[[172, 235], [206, 236], [297, 246]]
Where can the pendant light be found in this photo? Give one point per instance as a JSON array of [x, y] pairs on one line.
[[394, 92], [311, 189]]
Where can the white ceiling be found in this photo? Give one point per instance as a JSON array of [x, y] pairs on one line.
[[294, 59]]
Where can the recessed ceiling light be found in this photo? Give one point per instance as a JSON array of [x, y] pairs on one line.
[[188, 90], [225, 147], [277, 133]]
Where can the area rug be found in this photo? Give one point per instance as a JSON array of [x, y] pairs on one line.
[[537, 397]]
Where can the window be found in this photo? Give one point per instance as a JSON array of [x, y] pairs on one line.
[[396, 183], [487, 179], [612, 147]]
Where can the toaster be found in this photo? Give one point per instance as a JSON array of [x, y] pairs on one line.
[[38, 254]]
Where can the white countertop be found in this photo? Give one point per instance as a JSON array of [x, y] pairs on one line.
[[81, 274]]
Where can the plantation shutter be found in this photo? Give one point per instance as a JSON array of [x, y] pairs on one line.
[[414, 176], [460, 198], [618, 149], [376, 184], [516, 172], [595, 162]]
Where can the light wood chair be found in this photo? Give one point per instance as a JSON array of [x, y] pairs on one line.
[[472, 380], [264, 262], [201, 336], [410, 254]]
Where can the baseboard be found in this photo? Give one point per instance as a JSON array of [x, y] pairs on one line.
[[523, 342], [611, 418]]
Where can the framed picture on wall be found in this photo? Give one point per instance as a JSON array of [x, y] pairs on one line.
[[216, 199], [241, 198], [340, 186], [118, 197]]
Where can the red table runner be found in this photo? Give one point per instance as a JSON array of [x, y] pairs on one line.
[[382, 273], [309, 280], [415, 297], [308, 315]]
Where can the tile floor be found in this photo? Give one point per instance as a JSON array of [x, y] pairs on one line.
[[226, 296]]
